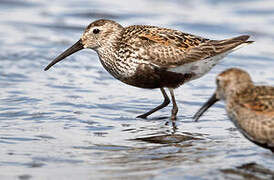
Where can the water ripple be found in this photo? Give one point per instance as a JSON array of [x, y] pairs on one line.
[[76, 121]]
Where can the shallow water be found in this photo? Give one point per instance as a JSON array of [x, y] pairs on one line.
[[76, 121]]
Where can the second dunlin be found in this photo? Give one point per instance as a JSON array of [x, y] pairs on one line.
[[250, 107]]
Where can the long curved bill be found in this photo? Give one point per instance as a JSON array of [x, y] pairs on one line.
[[74, 48], [207, 105]]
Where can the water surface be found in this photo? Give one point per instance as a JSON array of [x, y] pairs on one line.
[[75, 121]]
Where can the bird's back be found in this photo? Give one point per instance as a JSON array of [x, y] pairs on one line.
[[253, 112], [171, 48]]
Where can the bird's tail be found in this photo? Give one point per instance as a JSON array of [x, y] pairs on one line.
[[232, 44]]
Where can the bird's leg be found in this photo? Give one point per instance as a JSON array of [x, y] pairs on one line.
[[164, 104], [175, 107]]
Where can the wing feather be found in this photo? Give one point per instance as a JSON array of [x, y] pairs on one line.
[[262, 102], [170, 48]]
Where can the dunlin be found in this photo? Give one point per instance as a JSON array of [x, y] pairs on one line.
[[250, 107], [152, 57]]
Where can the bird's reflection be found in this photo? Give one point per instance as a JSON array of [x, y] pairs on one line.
[[249, 171], [171, 135]]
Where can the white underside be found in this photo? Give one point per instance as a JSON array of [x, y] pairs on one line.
[[201, 67]]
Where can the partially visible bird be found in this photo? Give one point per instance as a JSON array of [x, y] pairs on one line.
[[152, 57], [250, 107]]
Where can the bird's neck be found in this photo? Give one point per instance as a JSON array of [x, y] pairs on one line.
[[109, 48], [237, 90], [109, 56]]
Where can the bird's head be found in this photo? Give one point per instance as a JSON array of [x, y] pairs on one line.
[[98, 34], [229, 83]]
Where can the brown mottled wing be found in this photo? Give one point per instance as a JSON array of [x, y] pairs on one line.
[[169, 48], [262, 101], [259, 128]]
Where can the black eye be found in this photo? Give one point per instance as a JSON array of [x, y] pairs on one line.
[[218, 81], [96, 31]]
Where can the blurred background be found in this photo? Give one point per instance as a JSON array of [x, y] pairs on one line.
[[77, 121]]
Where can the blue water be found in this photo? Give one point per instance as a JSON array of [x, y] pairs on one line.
[[75, 121]]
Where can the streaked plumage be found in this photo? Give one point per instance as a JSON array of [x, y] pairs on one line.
[[152, 57], [250, 107]]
